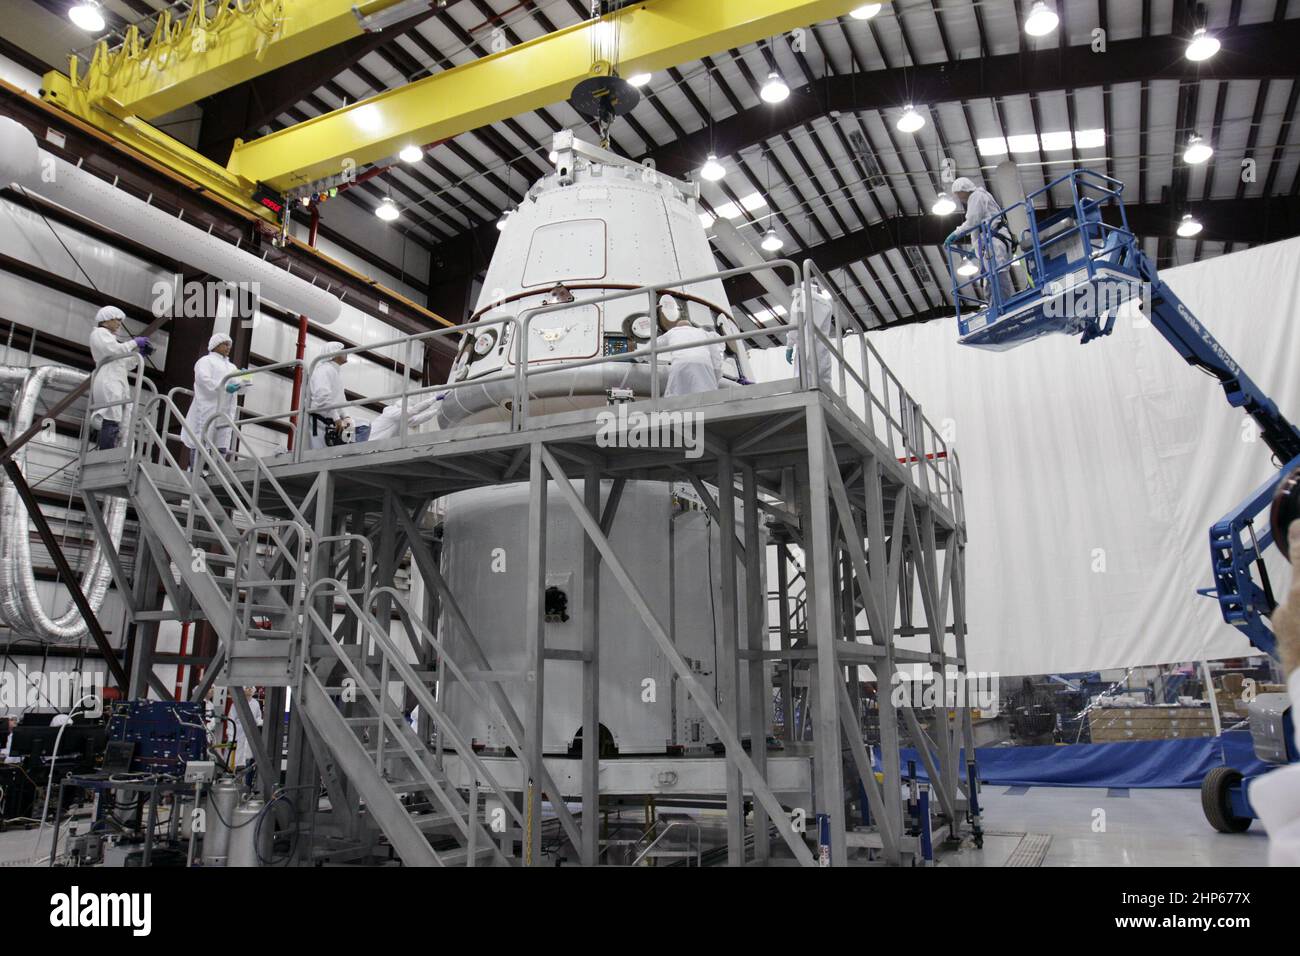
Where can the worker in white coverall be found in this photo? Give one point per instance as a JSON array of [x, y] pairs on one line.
[[325, 392], [389, 423], [823, 311], [692, 370], [112, 386], [213, 396], [244, 749], [1276, 795], [995, 252]]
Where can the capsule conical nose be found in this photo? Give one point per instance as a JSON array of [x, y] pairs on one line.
[[20, 156]]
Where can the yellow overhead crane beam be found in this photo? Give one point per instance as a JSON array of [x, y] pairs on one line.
[[647, 37], [243, 38], [183, 61]]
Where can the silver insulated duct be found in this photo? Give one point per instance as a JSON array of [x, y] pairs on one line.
[[20, 604]]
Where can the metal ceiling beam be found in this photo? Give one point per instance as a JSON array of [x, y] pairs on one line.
[[651, 36], [1249, 221], [1254, 52]]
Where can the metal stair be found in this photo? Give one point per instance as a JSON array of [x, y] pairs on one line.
[[355, 702], [244, 568]]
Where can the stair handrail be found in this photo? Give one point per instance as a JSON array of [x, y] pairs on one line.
[[390, 652], [691, 827]]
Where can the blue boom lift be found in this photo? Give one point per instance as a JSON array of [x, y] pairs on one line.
[[1070, 272]]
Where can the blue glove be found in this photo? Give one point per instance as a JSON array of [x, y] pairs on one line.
[[232, 387], [951, 236], [144, 345], [789, 354]]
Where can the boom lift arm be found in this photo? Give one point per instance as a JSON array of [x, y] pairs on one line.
[[1083, 263]]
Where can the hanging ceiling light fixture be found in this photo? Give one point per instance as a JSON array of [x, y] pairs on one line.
[[911, 120], [1198, 150], [1042, 20], [865, 12], [772, 242], [967, 267], [87, 16], [1190, 226], [1202, 45], [774, 90], [943, 206], [411, 154], [505, 218], [712, 170], [387, 210], [639, 79]]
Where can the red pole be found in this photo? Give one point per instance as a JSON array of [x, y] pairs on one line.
[[302, 335]]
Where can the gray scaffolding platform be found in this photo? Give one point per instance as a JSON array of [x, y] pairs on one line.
[[288, 542]]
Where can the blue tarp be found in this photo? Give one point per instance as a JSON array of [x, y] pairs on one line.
[[1137, 763]]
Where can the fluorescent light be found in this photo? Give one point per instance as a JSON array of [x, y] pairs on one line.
[[387, 210], [750, 203], [772, 242], [505, 218], [1042, 20], [1202, 45], [774, 90], [87, 16], [1024, 143], [639, 79], [967, 267], [911, 120], [411, 154], [943, 206], [1198, 150], [1056, 142], [865, 12], [712, 170], [1189, 227], [1048, 142], [1089, 138]]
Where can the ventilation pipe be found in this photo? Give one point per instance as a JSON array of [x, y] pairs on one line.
[[23, 162]]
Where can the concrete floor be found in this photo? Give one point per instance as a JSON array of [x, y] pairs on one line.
[[1141, 828]]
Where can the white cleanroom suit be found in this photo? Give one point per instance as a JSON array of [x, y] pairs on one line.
[[695, 369], [324, 390], [212, 396], [112, 385], [822, 312], [981, 207]]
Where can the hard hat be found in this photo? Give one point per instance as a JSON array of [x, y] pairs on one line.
[[109, 313], [218, 340], [963, 185]]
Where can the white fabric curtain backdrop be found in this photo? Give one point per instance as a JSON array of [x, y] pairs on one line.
[[1093, 473]]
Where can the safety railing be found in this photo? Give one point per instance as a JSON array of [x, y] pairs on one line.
[[867, 388], [406, 395], [394, 667], [127, 407], [524, 370], [1073, 238], [693, 844], [860, 377]]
